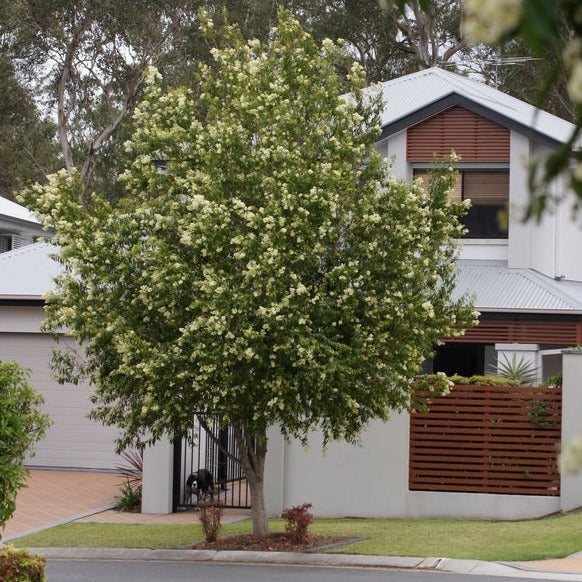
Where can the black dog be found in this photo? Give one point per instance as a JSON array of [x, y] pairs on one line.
[[200, 483]]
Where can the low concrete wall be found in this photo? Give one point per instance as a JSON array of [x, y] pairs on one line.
[[571, 488], [371, 480]]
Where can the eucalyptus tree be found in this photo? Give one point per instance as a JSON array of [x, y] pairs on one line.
[[86, 61], [28, 148]]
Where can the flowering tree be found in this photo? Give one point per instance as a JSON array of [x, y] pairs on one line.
[[272, 273]]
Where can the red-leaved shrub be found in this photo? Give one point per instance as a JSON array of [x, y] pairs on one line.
[[298, 519], [211, 520]]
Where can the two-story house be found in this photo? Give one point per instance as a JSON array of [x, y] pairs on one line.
[[27, 272], [526, 276]]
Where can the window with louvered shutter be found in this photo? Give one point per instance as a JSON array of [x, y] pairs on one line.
[[489, 194]]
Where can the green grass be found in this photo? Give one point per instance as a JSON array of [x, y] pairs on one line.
[[551, 537]]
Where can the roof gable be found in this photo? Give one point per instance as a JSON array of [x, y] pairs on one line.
[[12, 210], [413, 98]]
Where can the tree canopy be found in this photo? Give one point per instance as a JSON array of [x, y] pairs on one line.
[[272, 273]]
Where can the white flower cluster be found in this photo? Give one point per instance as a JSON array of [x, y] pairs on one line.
[[571, 457], [488, 20], [573, 63]]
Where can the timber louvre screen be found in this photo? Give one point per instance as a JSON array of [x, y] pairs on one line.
[[488, 439]]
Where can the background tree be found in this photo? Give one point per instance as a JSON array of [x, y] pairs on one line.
[[87, 60], [273, 274], [28, 150], [21, 425]]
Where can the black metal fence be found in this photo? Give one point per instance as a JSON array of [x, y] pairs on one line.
[[207, 449]]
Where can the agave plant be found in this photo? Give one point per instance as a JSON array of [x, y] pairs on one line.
[[518, 370]]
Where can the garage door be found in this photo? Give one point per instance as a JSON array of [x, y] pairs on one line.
[[73, 441]]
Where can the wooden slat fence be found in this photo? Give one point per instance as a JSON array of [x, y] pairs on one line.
[[488, 439]]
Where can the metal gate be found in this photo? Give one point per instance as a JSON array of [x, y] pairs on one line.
[[205, 447]]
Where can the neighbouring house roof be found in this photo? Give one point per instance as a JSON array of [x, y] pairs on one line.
[[28, 272], [12, 210], [413, 98], [497, 288]]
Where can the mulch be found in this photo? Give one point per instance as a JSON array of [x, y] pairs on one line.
[[274, 542]]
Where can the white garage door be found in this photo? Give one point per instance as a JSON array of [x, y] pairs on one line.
[[73, 441]]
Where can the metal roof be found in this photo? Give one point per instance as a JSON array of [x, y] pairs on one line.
[[28, 272], [13, 210], [407, 95], [497, 288]]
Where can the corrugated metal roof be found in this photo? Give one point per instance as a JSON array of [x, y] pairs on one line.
[[406, 95], [13, 210], [28, 272], [498, 288]]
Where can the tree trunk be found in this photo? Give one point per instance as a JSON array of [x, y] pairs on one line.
[[253, 450]]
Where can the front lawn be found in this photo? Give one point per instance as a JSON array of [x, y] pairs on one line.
[[551, 537]]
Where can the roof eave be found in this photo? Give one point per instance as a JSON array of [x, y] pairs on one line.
[[453, 99], [526, 310]]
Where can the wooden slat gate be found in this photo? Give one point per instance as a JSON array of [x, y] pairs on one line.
[[488, 439], [200, 450]]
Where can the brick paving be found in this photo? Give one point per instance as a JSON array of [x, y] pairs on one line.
[[54, 497]]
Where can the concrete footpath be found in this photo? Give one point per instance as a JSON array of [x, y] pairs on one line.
[[477, 567], [56, 497]]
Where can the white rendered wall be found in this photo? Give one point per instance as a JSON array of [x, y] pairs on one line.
[[526, 353], [369, 480], [520, 234], [395, 152], [571, 488], [483, 249], [157, 481], [568, 238], [372, 481]]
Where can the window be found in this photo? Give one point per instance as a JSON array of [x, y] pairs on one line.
[[489, 194], [5, 243]]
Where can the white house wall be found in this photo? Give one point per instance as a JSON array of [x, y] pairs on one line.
[[547, 246], [20, 319], [520, 233]]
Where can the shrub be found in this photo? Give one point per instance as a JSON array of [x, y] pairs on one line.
[[211, 519], [554, 381], [20, 566], [518, 369], [298, 519], [129, 498], [22, 424], [483, 380]]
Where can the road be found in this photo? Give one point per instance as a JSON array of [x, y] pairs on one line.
[[146, 571]]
